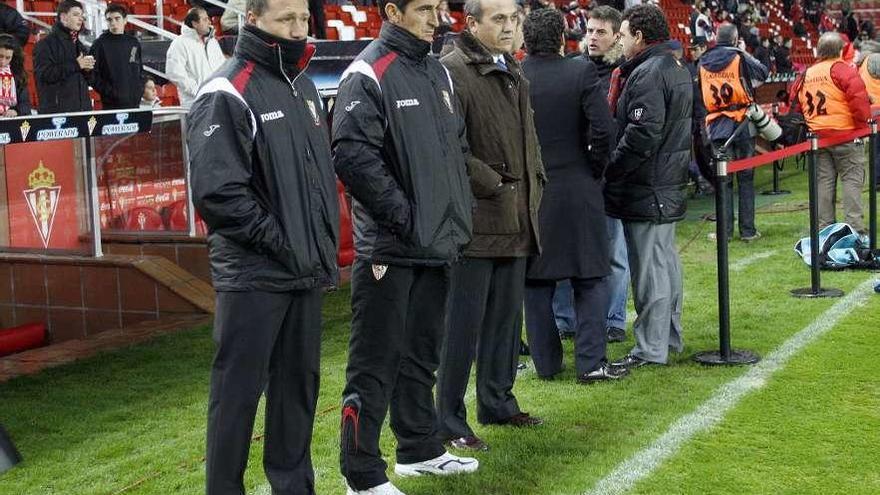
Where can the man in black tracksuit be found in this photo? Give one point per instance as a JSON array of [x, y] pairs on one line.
[[262, 180], [61, 64], [399, 147], [117, 75]]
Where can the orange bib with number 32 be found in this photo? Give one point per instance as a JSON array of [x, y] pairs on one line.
[[723, 92], [823, 103]]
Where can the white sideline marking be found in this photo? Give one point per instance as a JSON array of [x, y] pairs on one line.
[[711, 412], [740, 265]]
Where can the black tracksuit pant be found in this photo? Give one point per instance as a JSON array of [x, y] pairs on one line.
[[398, 320], [591, 299], [486, 298], [271, 341]]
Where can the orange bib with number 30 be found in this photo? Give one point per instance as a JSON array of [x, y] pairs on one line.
[[823, 103], [723, 92]]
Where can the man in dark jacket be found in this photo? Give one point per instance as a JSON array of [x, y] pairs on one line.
[[651, 96], [61, 64], [262, 180], [117, 75], [399, 147], [604, 50], [11, 22], [728, 78], [486, 287], [566, 101], [782, 56]]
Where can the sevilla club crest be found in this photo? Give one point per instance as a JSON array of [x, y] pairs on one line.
[[42, 200]]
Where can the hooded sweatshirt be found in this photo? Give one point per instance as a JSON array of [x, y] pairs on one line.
[[191, 59], [715, 60]]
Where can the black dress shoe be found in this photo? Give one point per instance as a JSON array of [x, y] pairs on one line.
[[602, 373], [631, 362], [522, 420], [615, 334], [470, 442]]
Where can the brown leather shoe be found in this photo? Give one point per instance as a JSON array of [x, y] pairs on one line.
[[470, 442], [521, 420]]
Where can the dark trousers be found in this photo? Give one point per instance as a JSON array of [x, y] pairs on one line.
[[591, 298], [271, 341], [486, 296], [745, 181], [396, 332]]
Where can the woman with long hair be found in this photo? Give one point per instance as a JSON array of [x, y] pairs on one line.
[[14, 97]]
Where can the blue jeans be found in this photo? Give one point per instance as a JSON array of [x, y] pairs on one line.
[[617, 284]]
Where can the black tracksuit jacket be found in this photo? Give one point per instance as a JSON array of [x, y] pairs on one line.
[[399, 146], [261, 173]]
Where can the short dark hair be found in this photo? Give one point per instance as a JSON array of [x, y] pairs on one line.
[[401, 4], [542, 31], [192, 15], [607, 13], [256, 6], [66, 6], [649, 20], [119, 9]]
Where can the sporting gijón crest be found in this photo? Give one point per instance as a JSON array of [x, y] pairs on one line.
[[42, 200]]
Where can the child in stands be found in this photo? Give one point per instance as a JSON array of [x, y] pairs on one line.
[[14, 97], [150, 99]]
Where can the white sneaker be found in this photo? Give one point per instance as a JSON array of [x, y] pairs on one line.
[[443, 465], [383, 489]]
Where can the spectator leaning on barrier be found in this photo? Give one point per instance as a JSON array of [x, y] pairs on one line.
[[193, 56], [566, 98], [61, 64], [263, 181], [150, 97], [12, 23], [834, 100], [651, 98], [14, 97], [117, 75], [507, 179], [399, 147], [728, 78]]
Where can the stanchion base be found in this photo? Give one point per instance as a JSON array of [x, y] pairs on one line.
[[774, 193], [737, 357], [807, 293]]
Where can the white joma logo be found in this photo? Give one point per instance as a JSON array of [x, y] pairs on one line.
[[266, 117], [211, 129], [409, 102]]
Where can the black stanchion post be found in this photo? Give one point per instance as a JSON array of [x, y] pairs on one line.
[[815, 289], [872, 186], [777, 166], [725, 355], [9, 457]]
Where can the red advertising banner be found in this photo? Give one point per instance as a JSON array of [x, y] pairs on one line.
[[41, 189]]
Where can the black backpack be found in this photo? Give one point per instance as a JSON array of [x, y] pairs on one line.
[[794, 128]]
